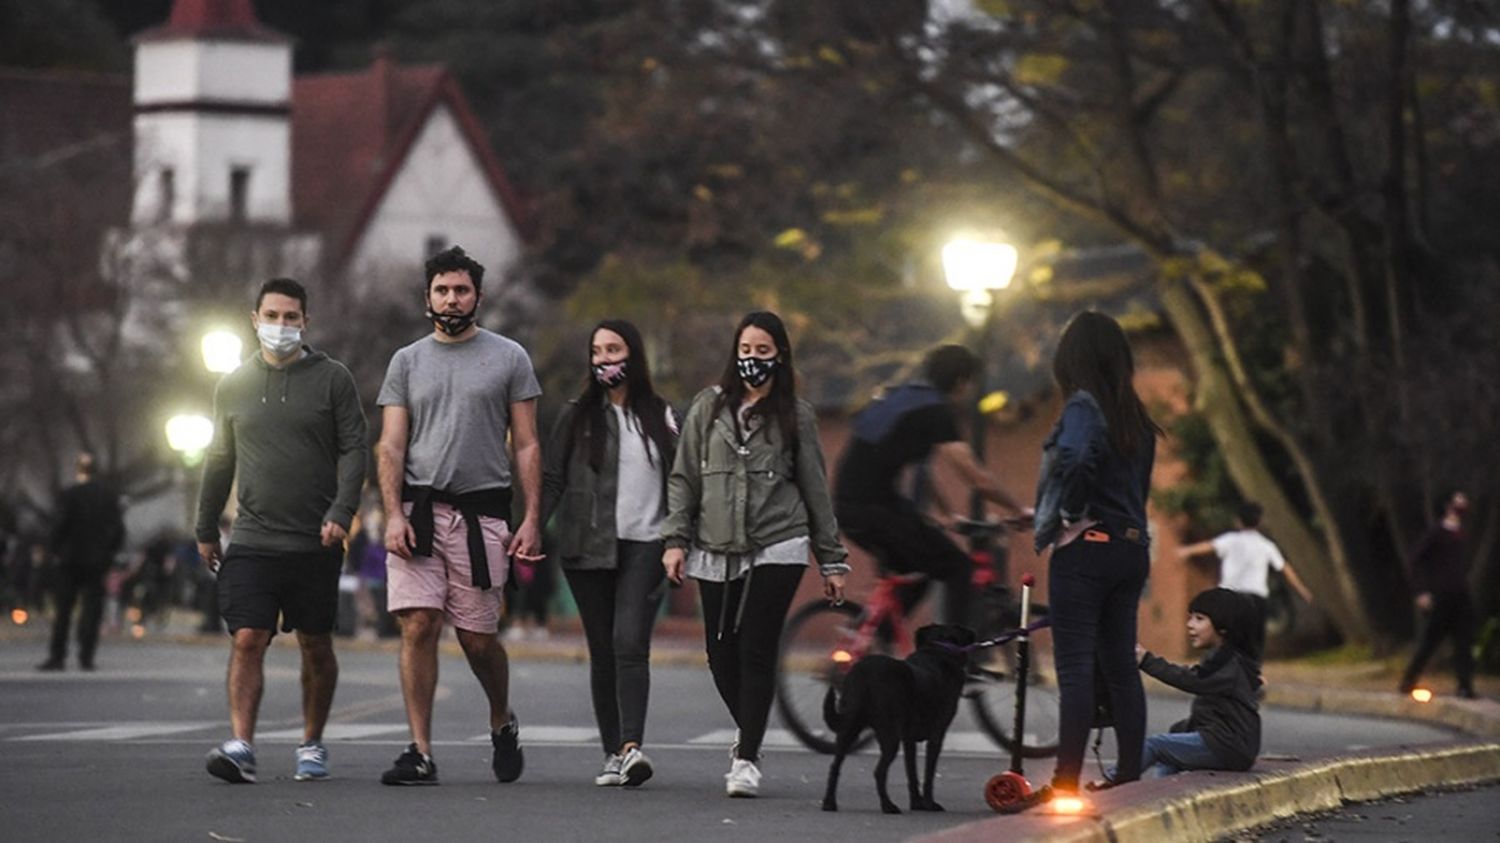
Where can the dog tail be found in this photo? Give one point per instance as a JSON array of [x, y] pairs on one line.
[[831, 715]]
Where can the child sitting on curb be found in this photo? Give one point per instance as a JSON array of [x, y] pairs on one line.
[[1223, 731]]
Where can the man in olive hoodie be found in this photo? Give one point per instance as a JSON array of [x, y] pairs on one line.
[[289, 426]]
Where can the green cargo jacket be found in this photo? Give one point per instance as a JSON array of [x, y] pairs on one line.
[[580, 499], [729, 498]]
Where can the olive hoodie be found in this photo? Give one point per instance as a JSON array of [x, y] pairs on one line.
[[294, 437]]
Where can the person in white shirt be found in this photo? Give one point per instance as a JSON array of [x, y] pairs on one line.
[[1246, 558]]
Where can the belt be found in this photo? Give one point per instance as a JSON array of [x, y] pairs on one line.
[[489, 503]]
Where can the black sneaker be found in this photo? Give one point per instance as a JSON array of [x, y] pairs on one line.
[[411, 767], [508, 759]]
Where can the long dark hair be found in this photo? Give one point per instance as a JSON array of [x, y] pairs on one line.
[[649, 409], [780, 406], [1094, 355]]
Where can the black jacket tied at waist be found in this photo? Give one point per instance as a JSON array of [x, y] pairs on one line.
[[489, 503]]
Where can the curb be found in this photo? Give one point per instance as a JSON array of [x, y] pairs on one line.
[[1193, 807], [1480, 718]]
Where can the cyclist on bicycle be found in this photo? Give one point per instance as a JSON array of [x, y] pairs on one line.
[[903, 427]]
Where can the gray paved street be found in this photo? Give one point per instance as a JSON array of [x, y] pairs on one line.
[[118, 755]]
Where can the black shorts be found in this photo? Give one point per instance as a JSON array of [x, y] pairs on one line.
[[301, 587]]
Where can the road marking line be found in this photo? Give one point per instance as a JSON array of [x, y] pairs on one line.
[[121, 732], [550, 734], [336, 732]]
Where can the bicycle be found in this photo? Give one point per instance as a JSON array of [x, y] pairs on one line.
[[822, 641]]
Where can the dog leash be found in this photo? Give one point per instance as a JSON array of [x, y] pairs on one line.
[[1003, 638]]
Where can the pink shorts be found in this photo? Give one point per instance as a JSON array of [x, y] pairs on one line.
[[444, 580]]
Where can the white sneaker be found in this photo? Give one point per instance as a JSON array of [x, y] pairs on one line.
[[635, 767], [610, 776], [743, 779]]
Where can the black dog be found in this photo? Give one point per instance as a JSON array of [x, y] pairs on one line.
[[904, 702]]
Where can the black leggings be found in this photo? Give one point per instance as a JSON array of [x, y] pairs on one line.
[[618, 608], [743, 660]]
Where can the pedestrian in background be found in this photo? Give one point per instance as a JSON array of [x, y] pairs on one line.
[[1091, 511], [605, 486], [748, 494], [1246, 559], [449, 404], [1440, 576], [89, 529], [289, 439]]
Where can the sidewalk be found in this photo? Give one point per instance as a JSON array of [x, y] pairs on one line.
[[1205, 806]]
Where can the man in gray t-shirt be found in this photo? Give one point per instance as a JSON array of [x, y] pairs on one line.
[[448, 402]]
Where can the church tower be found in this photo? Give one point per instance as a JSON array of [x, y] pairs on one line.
[[212, 119]]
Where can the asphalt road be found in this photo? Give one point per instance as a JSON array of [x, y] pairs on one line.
[[1463, 815], [118, 755]]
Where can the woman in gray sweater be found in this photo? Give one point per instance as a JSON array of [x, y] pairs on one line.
[[604, 489]]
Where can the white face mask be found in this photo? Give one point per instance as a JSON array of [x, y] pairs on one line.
[[279, 340]]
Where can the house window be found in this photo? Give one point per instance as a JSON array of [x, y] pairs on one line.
[[168, 195], [435, 243], [239, 193]]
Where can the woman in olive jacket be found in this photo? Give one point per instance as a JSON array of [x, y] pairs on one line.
[[748, 494], [604, 486]]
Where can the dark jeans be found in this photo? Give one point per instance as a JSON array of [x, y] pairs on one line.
[[1094, 589], [743, 660], [1451, 615], [1261, 607], [78, 583], [618, 608], [901, 540]]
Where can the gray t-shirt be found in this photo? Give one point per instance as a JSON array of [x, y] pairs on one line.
[[459, 397]]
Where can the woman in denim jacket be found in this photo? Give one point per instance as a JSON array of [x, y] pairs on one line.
[[1091, 510], [749, 497], [604, 488]]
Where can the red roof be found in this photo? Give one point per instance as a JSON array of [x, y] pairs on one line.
[[352, 132], [212, 19]]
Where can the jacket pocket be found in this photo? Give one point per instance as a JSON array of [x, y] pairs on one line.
[[576, 522]]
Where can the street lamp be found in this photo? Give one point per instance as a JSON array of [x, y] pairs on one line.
[[221, 351], [189, 435], [978, 270]]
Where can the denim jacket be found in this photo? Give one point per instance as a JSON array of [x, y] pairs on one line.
[[1083, 476]]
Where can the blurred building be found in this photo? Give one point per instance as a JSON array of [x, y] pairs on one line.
[[235, 170]]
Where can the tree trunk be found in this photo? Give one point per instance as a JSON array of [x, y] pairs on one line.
[[1320, 563]]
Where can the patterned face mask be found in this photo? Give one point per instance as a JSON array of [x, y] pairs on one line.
[[453, 324], [610, 375], [755, 371]]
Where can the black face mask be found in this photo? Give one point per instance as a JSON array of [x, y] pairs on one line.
[[611, 375], [755, 371], [452, 324]]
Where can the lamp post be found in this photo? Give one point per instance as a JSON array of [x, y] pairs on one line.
[[978, 270], [189, 434]]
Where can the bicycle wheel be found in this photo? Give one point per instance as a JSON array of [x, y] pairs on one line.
[[814, 655], [993, 699]]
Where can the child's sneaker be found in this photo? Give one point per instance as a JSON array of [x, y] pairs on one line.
[[411, 767], [233, 761], [508, 759], [743, 779], [610, 776], [312, 762], [635, 767]]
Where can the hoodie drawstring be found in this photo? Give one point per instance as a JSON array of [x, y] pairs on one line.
[[739, 611]]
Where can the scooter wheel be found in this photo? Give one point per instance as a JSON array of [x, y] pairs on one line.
[[1005, 789]]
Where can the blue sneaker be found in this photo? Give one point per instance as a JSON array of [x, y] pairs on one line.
[[312, 762], [233, 761]]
